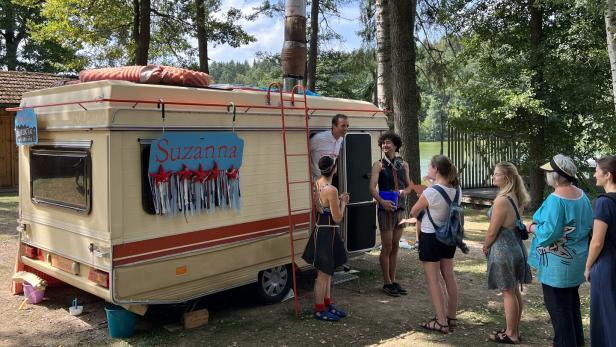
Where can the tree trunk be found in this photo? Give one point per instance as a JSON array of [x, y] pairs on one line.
[[10, 39], [314, 45], [201, 37], [610, 28], [537, 153], [141, 31], [404, 87], [383, 59]]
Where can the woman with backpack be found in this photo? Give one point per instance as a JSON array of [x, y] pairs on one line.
[[506, 265], [560, 248], [436, 257], [601, 262]]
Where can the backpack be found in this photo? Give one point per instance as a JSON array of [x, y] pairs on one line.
[[452, 232]]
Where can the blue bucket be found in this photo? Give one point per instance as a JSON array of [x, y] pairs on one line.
[[121, 323], [391, 196]]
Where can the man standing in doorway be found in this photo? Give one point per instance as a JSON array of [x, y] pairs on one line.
[[328, 143]]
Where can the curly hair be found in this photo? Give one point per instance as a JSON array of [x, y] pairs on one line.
[[393, 137]]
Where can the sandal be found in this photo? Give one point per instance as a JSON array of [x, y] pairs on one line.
[[335, 310], [434, 325], [503, 338], [502, 331], [452, 322], [326, 316]]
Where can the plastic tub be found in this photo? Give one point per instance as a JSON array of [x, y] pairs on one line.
[[75, 310], [34, 296], [391, 196], [121, 323]]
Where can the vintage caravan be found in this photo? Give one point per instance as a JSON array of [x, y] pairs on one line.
[[148, 194]]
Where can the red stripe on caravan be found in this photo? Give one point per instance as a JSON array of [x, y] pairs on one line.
[[205, 238], [201, 245]]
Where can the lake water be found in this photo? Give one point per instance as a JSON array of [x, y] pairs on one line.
[[426, 151]]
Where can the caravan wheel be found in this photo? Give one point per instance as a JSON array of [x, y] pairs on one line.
[[274, 284]]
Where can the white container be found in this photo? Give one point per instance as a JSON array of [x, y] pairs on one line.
[[295, 8], [75, 310]]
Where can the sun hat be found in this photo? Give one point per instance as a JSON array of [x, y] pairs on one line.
[[552, 166]]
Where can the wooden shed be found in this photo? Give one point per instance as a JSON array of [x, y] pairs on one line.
[[13, 84]]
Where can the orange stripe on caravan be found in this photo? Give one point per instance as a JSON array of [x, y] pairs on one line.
[[206, 238]]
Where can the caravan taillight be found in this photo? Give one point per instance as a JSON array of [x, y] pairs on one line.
[[29, 251], [99, 277]]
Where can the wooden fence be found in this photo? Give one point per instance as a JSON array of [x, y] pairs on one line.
[[8, 151], [475, 155]]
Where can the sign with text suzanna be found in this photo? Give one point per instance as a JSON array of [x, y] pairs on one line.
[[195, 172], [176, 150]]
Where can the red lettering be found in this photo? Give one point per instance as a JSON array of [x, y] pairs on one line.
[[233, 152], [198, 153], [220, 151], [162, 149], [187, 152], [178, 157], [207, 148]]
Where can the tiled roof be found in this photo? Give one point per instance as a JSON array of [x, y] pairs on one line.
[[13, 84]]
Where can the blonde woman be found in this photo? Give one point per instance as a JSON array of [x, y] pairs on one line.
[[507, 268]]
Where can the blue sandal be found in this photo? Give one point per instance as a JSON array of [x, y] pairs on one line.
[[326, 315], [335, 310]]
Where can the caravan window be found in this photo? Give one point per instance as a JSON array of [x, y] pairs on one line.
[[61, 177]]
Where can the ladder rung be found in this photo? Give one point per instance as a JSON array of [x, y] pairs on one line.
[[300, 209], [297, 154], [296, 182]]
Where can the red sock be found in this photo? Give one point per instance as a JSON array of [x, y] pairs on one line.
[[319, 307], [328, 301]]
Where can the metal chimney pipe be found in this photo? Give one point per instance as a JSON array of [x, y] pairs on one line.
[[294, 50]]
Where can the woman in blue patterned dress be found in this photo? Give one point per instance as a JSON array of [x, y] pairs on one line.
[[507, 268], [559, 249], [601, 263]]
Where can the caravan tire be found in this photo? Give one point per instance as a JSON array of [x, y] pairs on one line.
[[274, 284]]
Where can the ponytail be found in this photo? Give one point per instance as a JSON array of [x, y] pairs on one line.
[[445, 167], [515, 183]]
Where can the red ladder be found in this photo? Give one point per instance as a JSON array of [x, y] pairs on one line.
[[289, 182]]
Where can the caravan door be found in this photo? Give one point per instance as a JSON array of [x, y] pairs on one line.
[[359, 225]]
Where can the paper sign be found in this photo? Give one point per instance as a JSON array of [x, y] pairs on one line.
[[26, 131]]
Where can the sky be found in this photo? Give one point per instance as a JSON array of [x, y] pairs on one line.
[[269, 32]]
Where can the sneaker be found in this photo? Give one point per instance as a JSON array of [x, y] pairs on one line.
[[400, 290], [335, 310], [390, 290], [326, 315]]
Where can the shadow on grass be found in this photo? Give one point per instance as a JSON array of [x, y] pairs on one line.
[[8, 214]]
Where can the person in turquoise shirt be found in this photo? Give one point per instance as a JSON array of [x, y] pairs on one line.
[[559, 249]]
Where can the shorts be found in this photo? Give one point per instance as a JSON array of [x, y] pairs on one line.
[[432, 250], [389, 220]]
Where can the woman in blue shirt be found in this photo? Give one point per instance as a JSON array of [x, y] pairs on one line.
[[601, 263], [559, 249]]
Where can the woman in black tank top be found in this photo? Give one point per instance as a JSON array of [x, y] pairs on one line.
[[391, 174], [325, 249]]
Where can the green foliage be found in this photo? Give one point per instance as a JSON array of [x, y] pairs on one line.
[[101, 31], [349, 75], [339, 74], [496, 89], [265, 69], [29, 54]]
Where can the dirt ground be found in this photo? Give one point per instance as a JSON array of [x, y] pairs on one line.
[[236, 319]]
